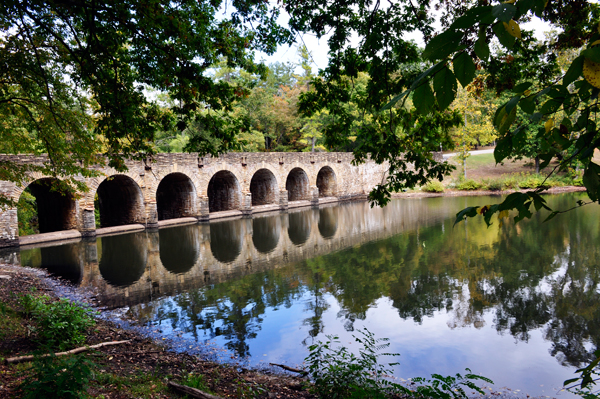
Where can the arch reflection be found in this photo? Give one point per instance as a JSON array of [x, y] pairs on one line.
[[226, 240], [328, 221], [122, 258], [299, 227], [63, 261], [179, 248], [265, 233]]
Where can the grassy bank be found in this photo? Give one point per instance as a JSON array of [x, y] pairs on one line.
[[483, 174]]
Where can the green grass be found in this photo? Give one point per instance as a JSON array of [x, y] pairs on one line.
[[480, 160]]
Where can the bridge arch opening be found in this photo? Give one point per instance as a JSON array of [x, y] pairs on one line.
[[297, 185], [120, 201], [299, 225], [224, 192], [327, 182], [226, 240], [328, 221], [179, 248], [44, 208], [176, 197], [265, 233], [263, 187]]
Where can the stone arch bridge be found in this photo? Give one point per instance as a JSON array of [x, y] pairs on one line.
[[173, 188]]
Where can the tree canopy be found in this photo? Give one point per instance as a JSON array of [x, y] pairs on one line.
[[74, 74], [558, 101]]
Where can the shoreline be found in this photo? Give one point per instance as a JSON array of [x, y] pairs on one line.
[[144, 357], [475, 193]]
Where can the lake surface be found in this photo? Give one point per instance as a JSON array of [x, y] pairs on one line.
[[518, 303]]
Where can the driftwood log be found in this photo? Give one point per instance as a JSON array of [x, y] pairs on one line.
[[193, 392], [28, 358], [293, 370]]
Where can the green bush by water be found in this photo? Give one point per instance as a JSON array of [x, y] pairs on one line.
[[58, 325], [336, 373], [433, 186]]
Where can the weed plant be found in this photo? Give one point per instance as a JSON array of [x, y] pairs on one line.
[[58, 377], [338, 373], [58, 325]]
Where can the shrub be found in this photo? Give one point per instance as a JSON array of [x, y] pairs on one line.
[[468, 185], [59, 324], [433, 186], [58, 377], [492, 185], [337, 373], [531, 181]]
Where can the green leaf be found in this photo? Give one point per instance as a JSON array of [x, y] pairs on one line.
[[504, 11], [527, 104], [431, 71], [512, 103], [482, 48], [466, 213], [520, 88], [423, 98], [472, 16], [394, 100], [442, 45], [574, 71], [464, 68], [444, 83], [591, 181], [503, 149], [506, 39], [504, 118], [551, 106], [592, 53]]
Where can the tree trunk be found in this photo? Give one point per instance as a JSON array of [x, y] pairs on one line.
[[312, 149], [537, 165]]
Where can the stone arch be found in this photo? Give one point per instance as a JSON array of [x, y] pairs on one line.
[[328, 221], [224, 192], [56, 210], [226, 239], [299, 225], [95, 182], [297, 185], [120, 201], [176, 197], [264, 187], [122, 258], [265, 233], [179, 248], [327, 182]]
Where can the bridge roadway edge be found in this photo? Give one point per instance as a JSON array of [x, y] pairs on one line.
[[324, 177]]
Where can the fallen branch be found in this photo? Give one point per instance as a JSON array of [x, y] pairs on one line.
[[283, 366], [28, 358], [193, 392]]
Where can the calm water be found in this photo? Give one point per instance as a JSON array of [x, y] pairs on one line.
[[518, 303]]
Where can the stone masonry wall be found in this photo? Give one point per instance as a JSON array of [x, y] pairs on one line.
[[136, 189]]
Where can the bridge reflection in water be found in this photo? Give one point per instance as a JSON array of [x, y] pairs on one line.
[[133, 268]]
